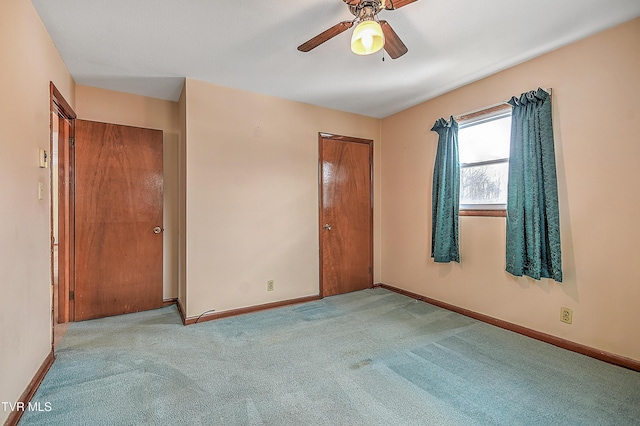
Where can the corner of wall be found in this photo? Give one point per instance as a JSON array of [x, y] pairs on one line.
[[182, 200]]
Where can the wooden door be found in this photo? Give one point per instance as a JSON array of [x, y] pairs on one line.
[[118, 218], [346, 214]]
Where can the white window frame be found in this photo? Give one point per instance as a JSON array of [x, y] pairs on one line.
[[473, 119]]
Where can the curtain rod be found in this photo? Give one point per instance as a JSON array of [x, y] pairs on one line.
[[488, 109]]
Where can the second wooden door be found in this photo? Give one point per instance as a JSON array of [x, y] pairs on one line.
[[346, 214], [118, 218]]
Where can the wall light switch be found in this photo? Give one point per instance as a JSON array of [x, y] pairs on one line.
[[40, 191], [43, 159]]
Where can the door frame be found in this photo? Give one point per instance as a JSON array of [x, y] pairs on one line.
[[66, 200], [329, 136]]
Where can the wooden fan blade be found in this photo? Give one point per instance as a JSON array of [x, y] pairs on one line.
[[392, 43], [325, 35], [352, 2], [397, 4]]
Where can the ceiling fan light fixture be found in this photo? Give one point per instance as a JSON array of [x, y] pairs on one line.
[[367, 38]]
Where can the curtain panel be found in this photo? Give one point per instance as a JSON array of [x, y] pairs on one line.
[[445, 194], [533, 224]]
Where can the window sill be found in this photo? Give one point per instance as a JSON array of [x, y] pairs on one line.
[[490, 213]]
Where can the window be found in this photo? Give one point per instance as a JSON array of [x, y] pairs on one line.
[[484, 143]]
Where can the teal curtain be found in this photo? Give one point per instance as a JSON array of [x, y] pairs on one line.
[[445, 194], [533, 224]]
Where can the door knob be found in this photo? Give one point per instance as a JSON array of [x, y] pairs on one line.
[[157, 230], [327, 227]]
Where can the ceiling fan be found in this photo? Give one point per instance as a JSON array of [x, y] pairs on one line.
[[370, 34]]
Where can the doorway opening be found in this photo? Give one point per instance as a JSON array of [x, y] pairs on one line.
[[62, 130]]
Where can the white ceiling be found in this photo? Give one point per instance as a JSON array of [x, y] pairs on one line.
[[147, 47]]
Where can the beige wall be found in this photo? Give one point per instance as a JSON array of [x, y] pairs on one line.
[[596, 120], [29, 62], [252, 195], [133, 110]]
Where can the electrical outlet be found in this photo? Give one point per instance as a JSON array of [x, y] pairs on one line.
[[566, 315], [270, 285]]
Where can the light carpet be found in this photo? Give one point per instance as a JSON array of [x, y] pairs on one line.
[[372, 357]]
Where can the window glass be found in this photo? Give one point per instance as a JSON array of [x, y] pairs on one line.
[[486, 184], [485, 140], [483, 146]]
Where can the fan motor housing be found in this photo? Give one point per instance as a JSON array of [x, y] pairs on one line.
[[366, 9]]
